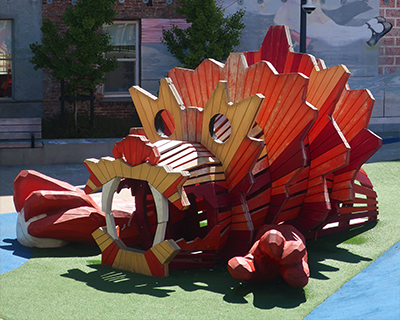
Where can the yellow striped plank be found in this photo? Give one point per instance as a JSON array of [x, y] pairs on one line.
[[241, 115], [93, 166]]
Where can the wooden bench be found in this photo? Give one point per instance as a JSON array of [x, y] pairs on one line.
[[20, 133]]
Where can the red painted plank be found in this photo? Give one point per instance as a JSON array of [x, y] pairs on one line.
[[109, 254]]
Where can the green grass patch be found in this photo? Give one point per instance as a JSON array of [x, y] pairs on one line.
[[356, 240], [93, 261], [68, 283]]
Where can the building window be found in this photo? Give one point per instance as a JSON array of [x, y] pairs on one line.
[[125, 40], [5, 58]]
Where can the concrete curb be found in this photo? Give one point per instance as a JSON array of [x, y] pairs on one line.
[[62, 151]]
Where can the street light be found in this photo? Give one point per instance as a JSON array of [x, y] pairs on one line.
[[306, 6]]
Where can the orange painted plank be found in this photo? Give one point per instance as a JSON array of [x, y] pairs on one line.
[[156, 268], [243, 161], [240, 226], [330, 165], [261, 165], [300, 121], [108, 256], [319, 197], [348, 210], [348, 175], [367, 201], [320, 188], [298, 187], [289, 102], [342, 195], [342, 185], [365, 191], [323, 84], [196, 85], [288, 215], [353, 111], [224, 215]]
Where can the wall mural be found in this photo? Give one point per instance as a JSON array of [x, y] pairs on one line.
[[337, 31], [345, 32], [330, 26], [156, 60]]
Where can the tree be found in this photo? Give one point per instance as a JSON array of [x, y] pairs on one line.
[[211, 34], [75, 53]]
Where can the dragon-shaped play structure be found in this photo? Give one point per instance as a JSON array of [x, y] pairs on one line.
[[238, 161]]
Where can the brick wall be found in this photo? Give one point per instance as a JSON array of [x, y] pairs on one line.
[[129, 10], [389, 58]]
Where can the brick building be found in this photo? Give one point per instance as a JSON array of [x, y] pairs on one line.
[[386, 114], [33, 93], [137, 30], [21, 87]]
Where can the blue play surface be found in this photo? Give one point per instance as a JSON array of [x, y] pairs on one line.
[[12, 254], [372, 294]]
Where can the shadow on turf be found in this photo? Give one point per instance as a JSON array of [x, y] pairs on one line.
[[327, 247], [218, 279]]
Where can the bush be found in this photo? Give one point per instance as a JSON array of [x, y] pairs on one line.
[[211, 34]]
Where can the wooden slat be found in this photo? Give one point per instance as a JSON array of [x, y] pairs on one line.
[[20, 144], [15, 129], [243, 161], [196, 86], [148, 106], [192, 119], [20, 121], [20, 128], [234, 72], [276, 41], [160, 177], [240, 115], [92, 165], [324, 91], [353, 111]]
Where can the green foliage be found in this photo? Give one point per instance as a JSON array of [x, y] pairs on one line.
[[211, 34], [77, 53]]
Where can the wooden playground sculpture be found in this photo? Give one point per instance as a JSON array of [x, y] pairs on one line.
[[240, 161]]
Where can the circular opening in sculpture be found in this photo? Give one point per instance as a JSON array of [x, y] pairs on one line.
[[220, 128], [164, 123]]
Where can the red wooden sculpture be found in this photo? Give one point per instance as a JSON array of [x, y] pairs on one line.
[[237, 159], [277, 250]]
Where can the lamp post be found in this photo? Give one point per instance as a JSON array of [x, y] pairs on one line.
[[306, 7]]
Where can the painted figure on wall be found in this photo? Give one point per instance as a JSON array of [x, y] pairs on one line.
[[337, 24], [321, 24]]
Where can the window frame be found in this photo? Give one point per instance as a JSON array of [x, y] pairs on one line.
[[117, 94], [11, 59]]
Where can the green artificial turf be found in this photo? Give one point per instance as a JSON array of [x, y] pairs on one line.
[[70, 282]]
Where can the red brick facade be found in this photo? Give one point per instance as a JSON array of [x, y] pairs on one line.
[[128, 10], [389, 58]]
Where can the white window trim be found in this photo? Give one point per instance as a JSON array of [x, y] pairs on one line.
[[119, 94]]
